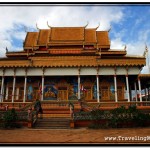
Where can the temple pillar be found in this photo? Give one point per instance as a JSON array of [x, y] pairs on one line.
[[135, 92], [25, 89], [13, 92], [6, 92], [79, 87], [97, 79], [115, 83], [2, 89], [139, 83], [42, 94], [127, 86]]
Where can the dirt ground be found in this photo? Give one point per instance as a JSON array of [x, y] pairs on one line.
[[75, 136]]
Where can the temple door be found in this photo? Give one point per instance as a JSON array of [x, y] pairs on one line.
[[120, 93], [105, 93], [10, 93], [62, 93], [88, 95]]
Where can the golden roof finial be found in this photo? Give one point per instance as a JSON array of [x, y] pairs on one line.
[[25, 29], [125, 47], [97, 26], [86, 24], [48, 25], [109, 29], [6, 50], [37, 26]]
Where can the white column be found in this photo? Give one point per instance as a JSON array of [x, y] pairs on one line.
[[42, 88], [145, 93], [78, 86], [2, 89], [127, 84], [115, 83], [97, 78], [17, 94], [25, 89], [139, 83], [135, 91], [13, 92], [7, 92]]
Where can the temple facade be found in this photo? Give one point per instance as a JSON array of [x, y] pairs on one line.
[[69, 63]]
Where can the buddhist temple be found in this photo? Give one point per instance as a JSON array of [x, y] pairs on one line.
[[70, 63]]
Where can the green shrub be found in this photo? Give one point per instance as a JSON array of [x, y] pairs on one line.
[[96, 114], [97, 125], [10, 118]]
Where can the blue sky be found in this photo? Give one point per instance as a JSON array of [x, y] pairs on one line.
[[130, 24]]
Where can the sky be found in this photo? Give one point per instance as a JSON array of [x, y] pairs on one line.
[[130, 24]]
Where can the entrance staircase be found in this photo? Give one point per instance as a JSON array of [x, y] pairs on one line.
[[53, 123], [56, 115]]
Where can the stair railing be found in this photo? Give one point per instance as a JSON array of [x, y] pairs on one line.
[[71, 106]]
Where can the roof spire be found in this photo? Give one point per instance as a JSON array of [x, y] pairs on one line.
[[146, 48], [146, 51], [48, 25], [37, 26], [97, 26]]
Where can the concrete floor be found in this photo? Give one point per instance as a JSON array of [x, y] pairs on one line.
[[75, 136]]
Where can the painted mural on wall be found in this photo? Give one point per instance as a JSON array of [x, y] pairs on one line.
[[112, 91], [30, 92], [50, 92], [61, 88], [95, 91]]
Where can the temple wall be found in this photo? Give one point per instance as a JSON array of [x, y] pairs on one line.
[[71, 71], [9, 72], [88, 71], [133, 70], [106, 71], [34, 72], [20, 72], [60, 71], [1, 72]]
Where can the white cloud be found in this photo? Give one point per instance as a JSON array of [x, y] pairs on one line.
[[11, 17], [117, 44]]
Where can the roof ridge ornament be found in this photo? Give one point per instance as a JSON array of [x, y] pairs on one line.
[[6, 50], [86, 24], [125, 47], [37, 26], [25, 29], [109, 29], [48, 25], [97, 26]]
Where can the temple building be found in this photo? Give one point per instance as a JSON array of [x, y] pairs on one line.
[[70, 63]]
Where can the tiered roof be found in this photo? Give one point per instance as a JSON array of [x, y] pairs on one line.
[[69, 47], [67, 36]]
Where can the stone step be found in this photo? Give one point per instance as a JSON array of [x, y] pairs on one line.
[[56, 111], [54, 115], [52, 127], [53, 123]]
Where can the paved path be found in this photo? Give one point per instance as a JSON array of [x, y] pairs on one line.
[[67, 136]]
